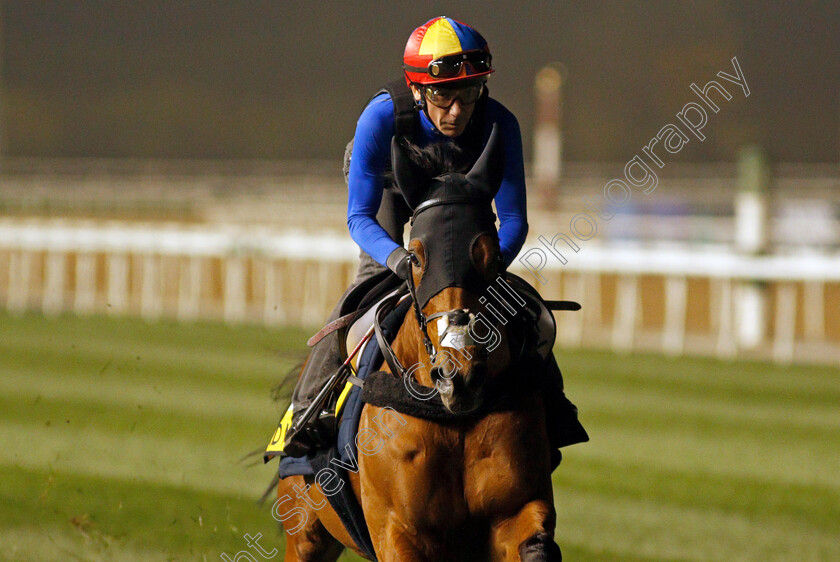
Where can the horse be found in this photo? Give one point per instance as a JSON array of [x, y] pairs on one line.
[[478, 487]]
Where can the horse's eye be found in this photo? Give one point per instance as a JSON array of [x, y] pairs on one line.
[[418, 252], [416, 265]]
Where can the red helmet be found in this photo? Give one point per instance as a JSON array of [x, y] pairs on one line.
[[445, 50]]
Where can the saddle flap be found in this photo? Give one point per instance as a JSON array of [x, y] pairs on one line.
[[361, 325], [545, 325], [546, 330], [363, 296]]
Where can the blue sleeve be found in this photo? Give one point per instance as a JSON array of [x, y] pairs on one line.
[[511, 204], [371, 154]]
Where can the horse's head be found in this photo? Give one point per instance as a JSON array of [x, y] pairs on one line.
[[456, 245]]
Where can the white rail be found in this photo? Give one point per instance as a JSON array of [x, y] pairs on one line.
[[669, 298]]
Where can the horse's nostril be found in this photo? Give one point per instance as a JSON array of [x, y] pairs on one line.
[[445, 387], [477, 376], [460, 318]]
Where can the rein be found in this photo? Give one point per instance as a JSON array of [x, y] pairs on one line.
[[384, 309], [421, 318]]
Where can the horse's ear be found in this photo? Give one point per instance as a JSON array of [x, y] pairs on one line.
[[412, 180], [487, 172]]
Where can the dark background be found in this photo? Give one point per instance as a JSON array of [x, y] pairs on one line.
[[221, 79]]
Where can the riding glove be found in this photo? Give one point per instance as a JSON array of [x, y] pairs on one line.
[[398, 262]]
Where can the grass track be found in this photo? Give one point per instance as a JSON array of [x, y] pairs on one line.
[[119, 440]]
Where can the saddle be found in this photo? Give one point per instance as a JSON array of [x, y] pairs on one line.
[[356, 301], [536, 322]]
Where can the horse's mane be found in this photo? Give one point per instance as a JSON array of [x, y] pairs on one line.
[[436, 159]]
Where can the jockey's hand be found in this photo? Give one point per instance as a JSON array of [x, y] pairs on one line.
[[399, 261]]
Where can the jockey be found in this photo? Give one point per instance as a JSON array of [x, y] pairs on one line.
[[443, 98], [446, 65]]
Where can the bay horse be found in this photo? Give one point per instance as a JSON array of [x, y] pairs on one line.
[[479, 487]]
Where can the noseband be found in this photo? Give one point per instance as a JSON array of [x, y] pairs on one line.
[[422, 320]]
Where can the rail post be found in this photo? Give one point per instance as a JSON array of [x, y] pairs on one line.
[[548, 136], [751, 240]]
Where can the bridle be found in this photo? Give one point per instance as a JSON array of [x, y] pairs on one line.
[[429, 203], [389, 304], [422, 320]]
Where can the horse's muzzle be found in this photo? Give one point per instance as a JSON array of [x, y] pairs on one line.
[[461, 393]]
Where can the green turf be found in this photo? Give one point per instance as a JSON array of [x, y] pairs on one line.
[[121, 440]]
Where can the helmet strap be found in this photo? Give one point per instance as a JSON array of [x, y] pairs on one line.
[[421, 103]]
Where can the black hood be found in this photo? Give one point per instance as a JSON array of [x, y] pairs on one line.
[[450, 212]]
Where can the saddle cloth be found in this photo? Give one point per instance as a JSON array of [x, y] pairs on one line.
[[343, 456], [349, 405]]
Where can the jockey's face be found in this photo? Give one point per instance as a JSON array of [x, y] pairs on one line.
[[451, 121]]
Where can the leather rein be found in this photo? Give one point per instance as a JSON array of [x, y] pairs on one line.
[[389, 304]]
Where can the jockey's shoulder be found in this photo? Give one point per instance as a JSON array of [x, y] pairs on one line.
[[380, 107], [498, 112]]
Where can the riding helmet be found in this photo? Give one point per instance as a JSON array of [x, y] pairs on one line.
[[445, 50]]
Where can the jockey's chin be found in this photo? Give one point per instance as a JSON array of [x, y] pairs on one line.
[[453, 129]]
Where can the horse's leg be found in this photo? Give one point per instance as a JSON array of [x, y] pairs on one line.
[[527, 536], [412, 494], [401, 545], [313, 544], [307, 540]]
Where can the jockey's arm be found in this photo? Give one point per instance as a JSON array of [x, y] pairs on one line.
[[510, 200], [371, 154]]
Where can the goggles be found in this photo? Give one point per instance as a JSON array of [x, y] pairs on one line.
[[450, 66], [444, 96]]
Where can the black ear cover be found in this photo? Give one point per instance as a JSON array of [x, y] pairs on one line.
[[488, 171]]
